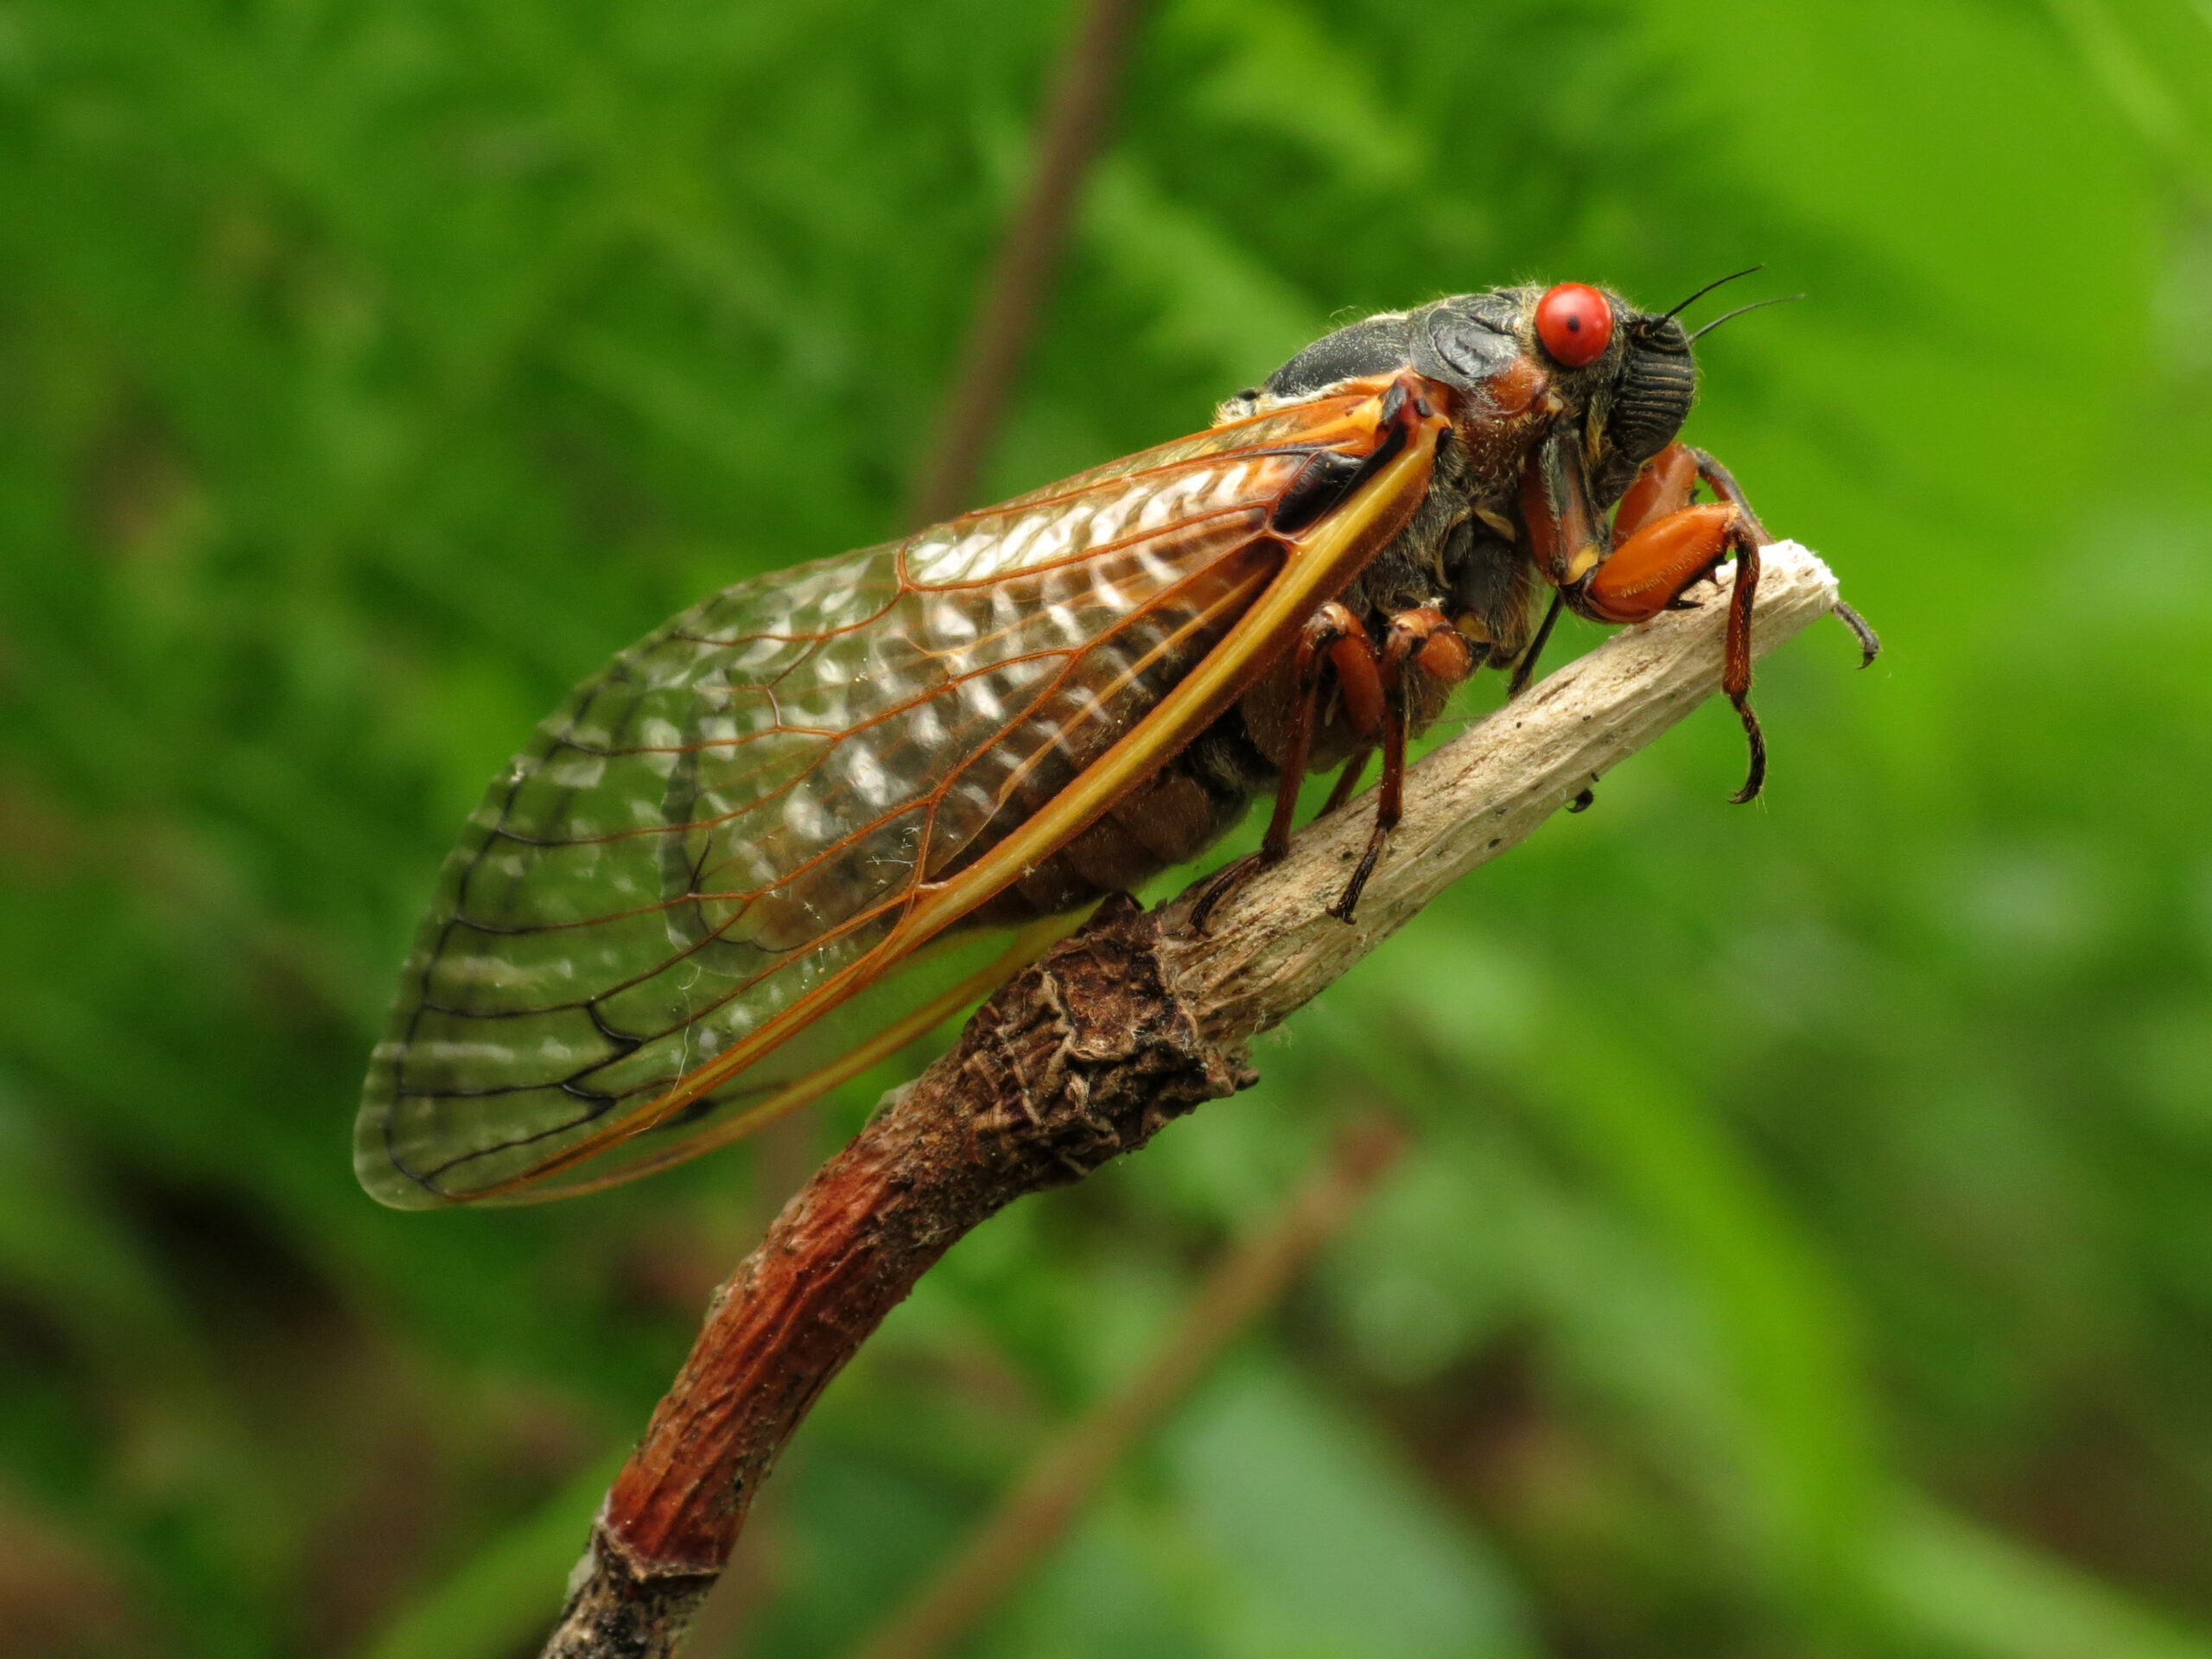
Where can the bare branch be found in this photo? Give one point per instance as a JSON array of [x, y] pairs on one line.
[[1085, 1056]]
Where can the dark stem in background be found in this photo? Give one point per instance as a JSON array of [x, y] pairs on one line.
[[1081, 1058], [1030, 1519], [1075, 124]]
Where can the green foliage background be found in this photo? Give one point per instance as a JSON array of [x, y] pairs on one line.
[[1806, 1246]]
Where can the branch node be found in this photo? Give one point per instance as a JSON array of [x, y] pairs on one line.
[[1089, 1054]]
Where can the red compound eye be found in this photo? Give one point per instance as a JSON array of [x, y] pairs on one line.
[[1575, 323]]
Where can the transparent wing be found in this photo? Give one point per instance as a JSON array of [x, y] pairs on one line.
[[734, 815]]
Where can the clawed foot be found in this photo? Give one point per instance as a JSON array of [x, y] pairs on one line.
[[1870, 643]]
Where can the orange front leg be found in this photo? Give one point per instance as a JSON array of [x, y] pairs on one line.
[[1666, 484], [1648, 573], [1667, 546]]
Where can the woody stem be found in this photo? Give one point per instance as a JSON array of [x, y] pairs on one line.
[[1083, 1057]]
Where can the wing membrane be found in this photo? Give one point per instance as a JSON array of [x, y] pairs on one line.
[[760, 810]]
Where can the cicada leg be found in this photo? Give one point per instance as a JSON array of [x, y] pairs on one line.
[[1648, 573], [1371, 684], [1665, 485], [1665, 546], [1333, 638], [1526, 668], [1426, 636]]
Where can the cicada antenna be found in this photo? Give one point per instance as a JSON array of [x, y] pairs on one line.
[[1722, 281], [1756, 305]]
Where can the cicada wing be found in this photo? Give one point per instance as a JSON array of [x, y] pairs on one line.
[[735, 827], [939, 981]]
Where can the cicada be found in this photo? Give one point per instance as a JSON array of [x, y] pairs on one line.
[[807, 820]]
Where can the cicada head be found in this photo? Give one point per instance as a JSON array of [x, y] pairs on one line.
[[1522, 359]]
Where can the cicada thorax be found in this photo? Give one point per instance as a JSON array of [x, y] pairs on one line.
[[1460, 550]]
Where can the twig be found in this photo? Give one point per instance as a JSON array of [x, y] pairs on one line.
[[1030, 1519], [1271, 950], [1086, 1055], [1074, 127]]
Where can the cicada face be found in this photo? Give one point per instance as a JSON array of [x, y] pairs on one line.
[[809, 819]]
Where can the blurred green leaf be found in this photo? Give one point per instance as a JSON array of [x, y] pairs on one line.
[[509, 1591], [1320, 1548], [1982, 1593]]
